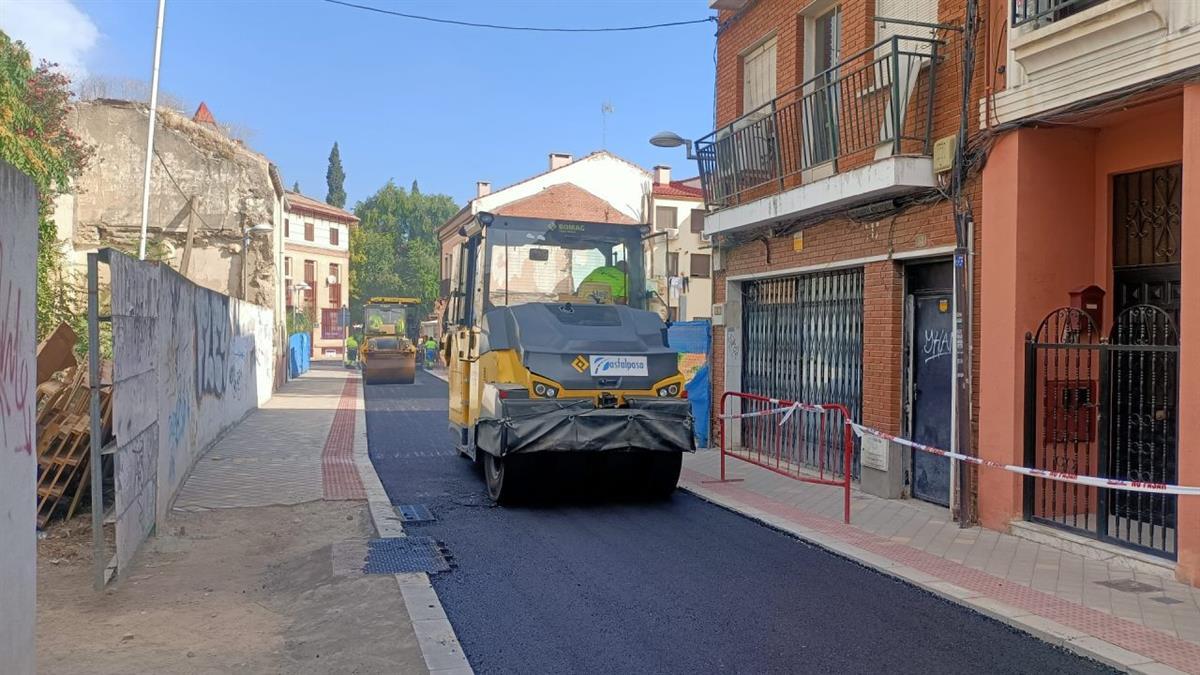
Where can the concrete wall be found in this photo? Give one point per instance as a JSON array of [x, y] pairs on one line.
[[188, 363], [230, 187], [18, 551]]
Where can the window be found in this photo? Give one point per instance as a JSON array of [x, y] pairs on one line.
[[310, 278], [286, 229], [335, 285], [308, 232], [672, 264], [758, 76], [701, 264], [698, 220], [333, 236], [665, 216], [821, 111], [287, 267]]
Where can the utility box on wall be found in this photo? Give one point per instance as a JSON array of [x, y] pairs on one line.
[[884, 467]]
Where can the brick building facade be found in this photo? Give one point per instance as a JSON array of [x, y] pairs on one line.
[[858, 202]]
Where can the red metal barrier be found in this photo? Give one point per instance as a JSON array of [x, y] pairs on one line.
[[789, 438]]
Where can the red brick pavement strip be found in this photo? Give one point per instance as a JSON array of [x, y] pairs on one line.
[[1151, 643], [339, 473]]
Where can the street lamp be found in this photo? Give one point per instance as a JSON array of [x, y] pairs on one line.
[[670, 139], [258, 230]]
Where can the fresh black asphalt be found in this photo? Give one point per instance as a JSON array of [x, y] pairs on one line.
[[588, 585]]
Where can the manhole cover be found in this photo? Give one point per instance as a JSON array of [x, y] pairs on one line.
[[1129, 586], [414, 513], [1167, 600], [397, 555]]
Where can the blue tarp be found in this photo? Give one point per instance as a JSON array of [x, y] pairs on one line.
[[299, 353], [695, 337]]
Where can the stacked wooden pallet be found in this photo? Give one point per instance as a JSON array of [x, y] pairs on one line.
[[64, 441]]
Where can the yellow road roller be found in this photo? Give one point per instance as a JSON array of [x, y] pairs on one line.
[[387, 354], [552, 354]]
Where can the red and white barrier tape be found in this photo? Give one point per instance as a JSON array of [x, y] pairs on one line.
[[786, 411], [1112, 483]]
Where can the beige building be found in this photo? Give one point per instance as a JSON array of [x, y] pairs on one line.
[[316, 268], [678, 253]]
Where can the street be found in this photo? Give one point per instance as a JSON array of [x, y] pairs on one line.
[[594, 585]]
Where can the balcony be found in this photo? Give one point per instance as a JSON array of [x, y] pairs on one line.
[[872, 107], [1044, 12], [1067, 53]]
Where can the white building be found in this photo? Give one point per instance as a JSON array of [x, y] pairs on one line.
[[678, 253]]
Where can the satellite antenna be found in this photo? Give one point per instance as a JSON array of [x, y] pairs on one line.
[[606, 109]]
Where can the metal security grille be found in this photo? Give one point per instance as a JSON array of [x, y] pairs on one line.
[[1108, 408], [803, 339]]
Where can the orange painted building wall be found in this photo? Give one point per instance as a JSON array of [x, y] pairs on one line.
[[1047, 199]]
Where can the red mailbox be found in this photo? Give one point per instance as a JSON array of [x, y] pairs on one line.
[[1090, 300]]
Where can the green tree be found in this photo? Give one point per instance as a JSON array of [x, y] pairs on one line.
[[296, 186], [335, 179], [394, 249], [36, 138]]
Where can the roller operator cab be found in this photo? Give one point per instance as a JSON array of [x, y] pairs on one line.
[[550, 350]]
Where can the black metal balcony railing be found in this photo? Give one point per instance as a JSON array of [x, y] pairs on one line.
[[880, 96], [1042, 12]]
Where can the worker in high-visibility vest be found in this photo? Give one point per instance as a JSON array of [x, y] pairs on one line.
[[614, 276]]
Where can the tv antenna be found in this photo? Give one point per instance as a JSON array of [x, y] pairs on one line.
[[606, 109]]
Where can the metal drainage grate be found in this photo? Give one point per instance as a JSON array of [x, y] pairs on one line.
[[414, 513], [1129, 586], [397, 555], [1167, 600]]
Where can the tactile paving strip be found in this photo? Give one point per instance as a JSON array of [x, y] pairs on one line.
[[414, 513], [397, 555]]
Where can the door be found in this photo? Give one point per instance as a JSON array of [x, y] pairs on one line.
[[931, 377], [821, 103], [1143, 375], [459, 341]]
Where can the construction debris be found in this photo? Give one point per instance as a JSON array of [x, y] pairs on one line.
[[64, 439]]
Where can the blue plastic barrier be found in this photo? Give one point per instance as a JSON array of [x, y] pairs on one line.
[[299, 354], [695, 337]]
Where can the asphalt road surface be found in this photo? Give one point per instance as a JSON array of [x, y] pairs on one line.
[[583, 584]]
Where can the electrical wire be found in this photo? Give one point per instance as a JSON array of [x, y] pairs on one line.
[[533, 29]]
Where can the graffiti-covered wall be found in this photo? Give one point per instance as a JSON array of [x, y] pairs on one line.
[[18, 553], [188, 363]]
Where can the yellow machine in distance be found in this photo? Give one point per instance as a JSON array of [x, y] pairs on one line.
[[551, 353], [387, 354]]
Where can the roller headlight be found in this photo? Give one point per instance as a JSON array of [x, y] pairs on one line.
[[673, 389], [539, 389], [551, 392], [663, 393]]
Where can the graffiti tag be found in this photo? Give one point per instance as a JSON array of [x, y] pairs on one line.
[[14, 369], [937, 344], [213, 336]]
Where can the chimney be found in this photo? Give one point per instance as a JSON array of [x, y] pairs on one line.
[[558, 160], [662, 174], [482, 188]]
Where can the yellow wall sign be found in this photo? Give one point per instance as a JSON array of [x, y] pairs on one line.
[[580, 363]]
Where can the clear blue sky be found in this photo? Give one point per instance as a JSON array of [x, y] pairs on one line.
[[442, 104]]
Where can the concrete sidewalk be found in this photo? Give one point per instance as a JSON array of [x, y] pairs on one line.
[[1129, 617], [251, 573]]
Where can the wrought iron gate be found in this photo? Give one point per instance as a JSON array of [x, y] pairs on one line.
[[1104, 407], [803, 338]]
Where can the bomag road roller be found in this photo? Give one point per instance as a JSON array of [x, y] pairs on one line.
[[387, 353], [552, 356]]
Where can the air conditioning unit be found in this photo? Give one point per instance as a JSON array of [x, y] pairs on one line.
[[672, 233]]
